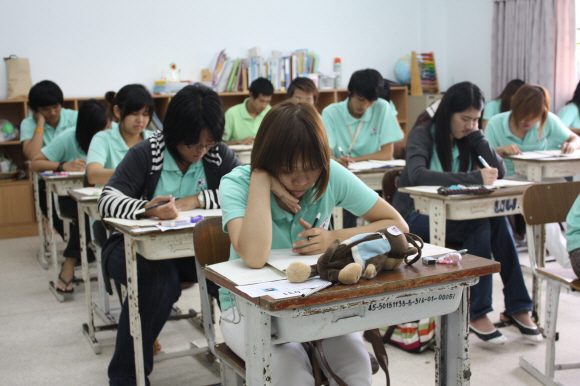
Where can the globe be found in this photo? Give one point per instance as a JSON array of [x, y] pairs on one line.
[[403, 70]]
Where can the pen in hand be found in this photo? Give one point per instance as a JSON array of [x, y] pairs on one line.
[[314, 224], [143, 210], [485, 164], [340, 150]]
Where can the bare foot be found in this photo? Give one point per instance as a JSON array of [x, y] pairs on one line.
[[525, 319], [484, 325], [66, 275]]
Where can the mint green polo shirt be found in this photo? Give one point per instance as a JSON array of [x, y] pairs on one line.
[[379, 127], [239, 123], [64, 148], [570, 115], [498, 133], [68, 118], [108, 147], [173, 181], [393, 108], [491, 109], [435, 163], [344, 190], [573, 231]]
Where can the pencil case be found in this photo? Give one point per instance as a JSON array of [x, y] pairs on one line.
[[463, 189]]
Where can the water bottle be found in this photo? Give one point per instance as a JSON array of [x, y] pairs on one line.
[[338, 71]]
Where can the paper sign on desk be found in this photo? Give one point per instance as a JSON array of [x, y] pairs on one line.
[[281, 289], [241, 147], [185, 215], [239, 273], [94, 191]]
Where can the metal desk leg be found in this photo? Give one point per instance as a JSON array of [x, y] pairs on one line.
[[41, 256], [540, 257], [337, 218], [258, 345], [437, 222], [134, 317], [452, 364], [52, 244], [88, 328]]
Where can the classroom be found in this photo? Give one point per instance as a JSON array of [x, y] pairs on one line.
[[136, 244]]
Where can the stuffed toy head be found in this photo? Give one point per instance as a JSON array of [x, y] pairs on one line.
[[362, 255]]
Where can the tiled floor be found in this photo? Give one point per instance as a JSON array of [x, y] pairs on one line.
[[43, 344]]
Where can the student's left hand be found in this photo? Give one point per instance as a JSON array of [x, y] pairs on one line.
[[569, 147], [320, 240], [78, 164]]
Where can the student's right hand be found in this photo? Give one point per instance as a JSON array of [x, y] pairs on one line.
[[280, 191], [247, 141], [78, 164], [165, 212], [508, 150], [39, 118], [345, 160], [489, 176]]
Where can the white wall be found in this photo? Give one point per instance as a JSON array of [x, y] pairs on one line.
[[91, 47]]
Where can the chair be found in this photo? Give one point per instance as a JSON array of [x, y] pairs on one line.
[[390, 183], [543, 204]]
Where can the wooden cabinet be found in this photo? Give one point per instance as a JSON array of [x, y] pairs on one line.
[[17, 217]]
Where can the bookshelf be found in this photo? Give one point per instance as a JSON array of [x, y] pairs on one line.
[[17, 218]]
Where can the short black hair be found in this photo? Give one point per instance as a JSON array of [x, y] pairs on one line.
[[92, 119], [261, 86], [193, 109], [131, 98], [43, 94], [368, 84]]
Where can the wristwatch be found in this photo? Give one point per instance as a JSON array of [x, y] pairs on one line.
[[201, 199], [59, 167]]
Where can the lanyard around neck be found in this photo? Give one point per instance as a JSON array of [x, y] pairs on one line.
[[354, 136]]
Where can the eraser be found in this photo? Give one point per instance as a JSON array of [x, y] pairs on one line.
[[429, 260]]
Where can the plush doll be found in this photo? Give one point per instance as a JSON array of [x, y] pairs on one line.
[[372, 252]]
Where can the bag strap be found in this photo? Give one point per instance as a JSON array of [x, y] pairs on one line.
[[378, 348], [413, 239], [387, 336]]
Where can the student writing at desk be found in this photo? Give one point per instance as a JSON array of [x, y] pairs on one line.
[[445, 152], [185, 160], [49, 118], [272, 204], [503, 102], [243, 120], [531, 126], [573, 236], [303, 89], [68, 153]]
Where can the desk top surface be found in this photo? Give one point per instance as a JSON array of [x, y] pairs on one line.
[[134, 231], [501, 192], [550, 160], [403, 278], [56, 177]]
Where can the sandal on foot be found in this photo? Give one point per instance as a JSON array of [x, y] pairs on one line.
[[530, 333], [493, 337], [66, 284]]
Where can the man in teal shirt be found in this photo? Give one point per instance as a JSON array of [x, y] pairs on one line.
[[243, 120], [49, 119], [363, 127]]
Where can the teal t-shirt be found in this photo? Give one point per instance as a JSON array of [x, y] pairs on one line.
[[64, 148], [570, 115], [492, 108], [379, 127], [573, 231], [498, 133], [68, 118], [240, 124], [344, 190], [393, 108], [108, 147], [173, 181], [435, 163]]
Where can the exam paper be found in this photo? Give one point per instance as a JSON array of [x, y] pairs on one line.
[[281, 289], [281, 258], [94, 191], [508, 183], [239, 273], [375, 164], [185, 215]]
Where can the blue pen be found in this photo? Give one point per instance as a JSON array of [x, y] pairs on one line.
[[485, 164]]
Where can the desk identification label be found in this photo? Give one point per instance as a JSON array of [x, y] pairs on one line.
[[412, 301]]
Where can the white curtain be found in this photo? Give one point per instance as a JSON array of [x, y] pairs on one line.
[[534, 40]]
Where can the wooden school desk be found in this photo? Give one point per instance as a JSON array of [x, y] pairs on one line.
[[439, 208], [58, 184], [152, 244], [405, 294], [549, 167], [87, 204]]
